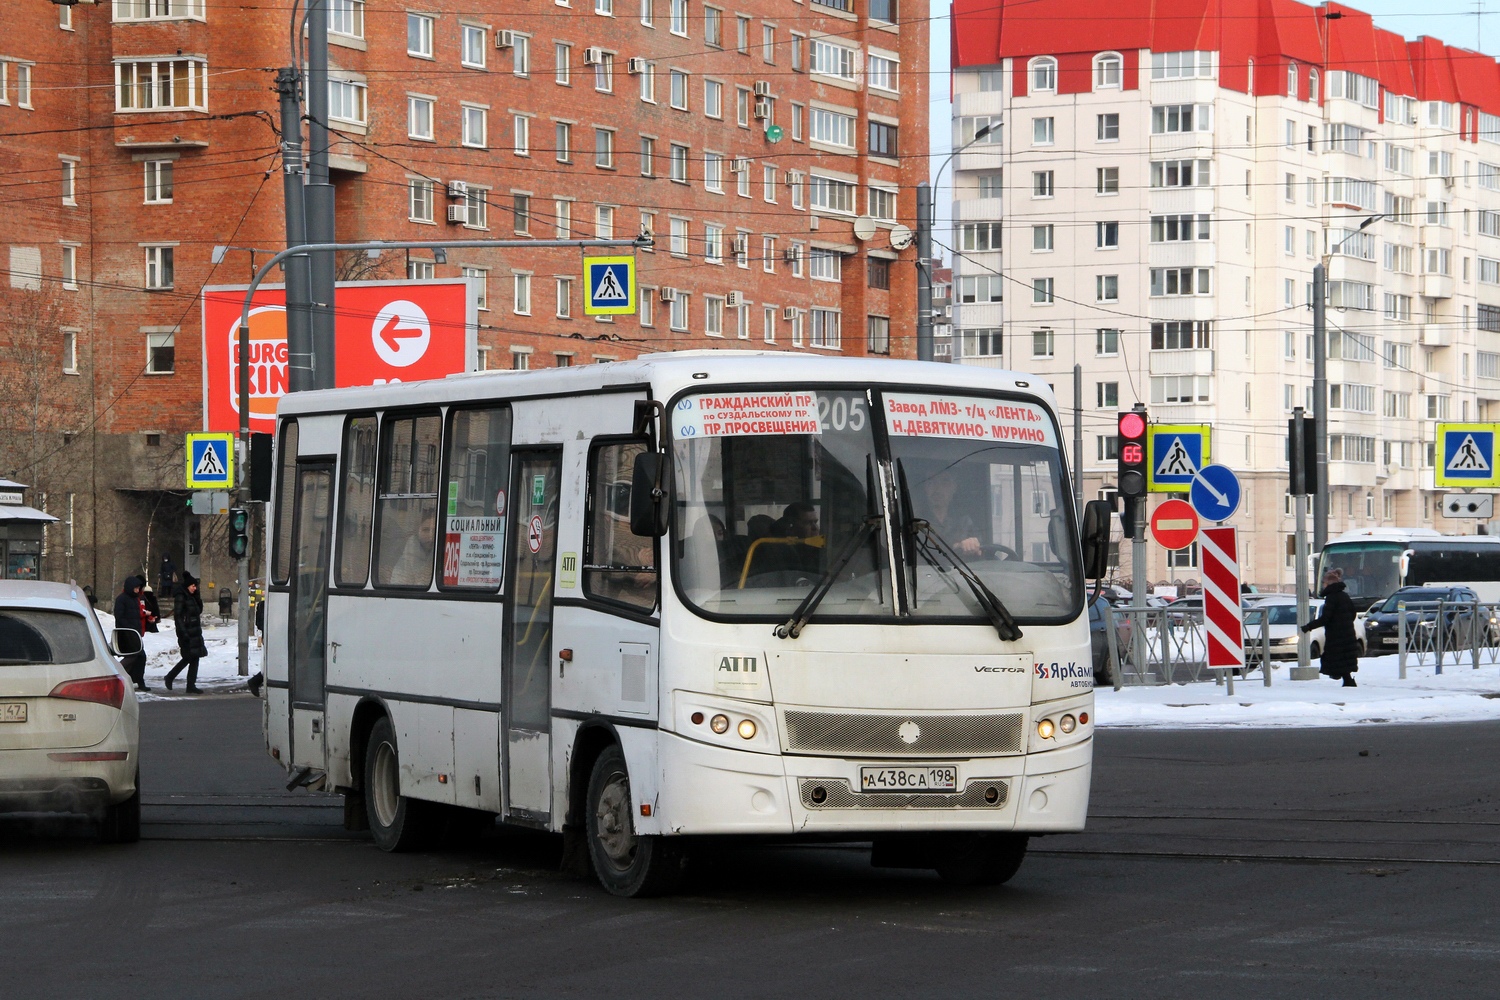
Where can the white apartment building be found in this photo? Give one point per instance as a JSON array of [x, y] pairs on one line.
[[1155, 216]]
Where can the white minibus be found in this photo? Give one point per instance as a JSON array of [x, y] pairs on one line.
[[698, 594]]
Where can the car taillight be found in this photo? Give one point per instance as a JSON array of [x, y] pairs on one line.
[[109, 690]]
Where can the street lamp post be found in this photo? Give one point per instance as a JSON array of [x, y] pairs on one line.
[[1320, 382], [926, 195]]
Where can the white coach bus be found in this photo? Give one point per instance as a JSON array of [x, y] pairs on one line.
[[704, 593]]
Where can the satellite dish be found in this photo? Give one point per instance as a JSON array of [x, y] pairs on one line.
[[864, 227], [900, 237]]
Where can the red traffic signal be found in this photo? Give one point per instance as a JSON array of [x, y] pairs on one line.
[[1132, 453]]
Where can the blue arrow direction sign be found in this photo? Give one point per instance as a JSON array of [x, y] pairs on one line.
[[1215, 493]]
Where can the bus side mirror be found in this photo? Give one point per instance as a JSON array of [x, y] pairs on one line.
[[1405, 565], [649, 496], [1095, 539]]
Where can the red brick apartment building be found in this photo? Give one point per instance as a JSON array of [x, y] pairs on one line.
[[136, 135]]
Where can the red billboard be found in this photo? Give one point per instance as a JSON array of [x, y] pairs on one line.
[[385, 331]]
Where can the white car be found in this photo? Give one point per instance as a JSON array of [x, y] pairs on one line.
[[1282, 611], [69, 723]]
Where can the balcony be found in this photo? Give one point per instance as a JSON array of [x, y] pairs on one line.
[[1190, 362], [1437, 286], [1436, 334]]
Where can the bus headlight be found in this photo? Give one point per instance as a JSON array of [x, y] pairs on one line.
[[1067, 724], [1045, 729], [746, 729], [719, 724]]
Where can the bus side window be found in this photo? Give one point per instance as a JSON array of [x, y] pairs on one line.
[[474, 502], [281, 567], [617, 564], [357, 501], [406, 504]]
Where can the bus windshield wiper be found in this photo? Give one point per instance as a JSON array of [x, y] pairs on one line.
[[794, 625], [933, 545]]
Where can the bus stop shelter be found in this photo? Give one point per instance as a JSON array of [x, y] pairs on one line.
[[21, 530]]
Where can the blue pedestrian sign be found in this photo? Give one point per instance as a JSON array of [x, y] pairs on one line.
[[210, 461], [609, 286], [1467, 453], [1174, 454], [1215, 493]]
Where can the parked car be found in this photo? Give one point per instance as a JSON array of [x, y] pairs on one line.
[[1382, 625], [69, 734], [1282, 611], [1099, 640]]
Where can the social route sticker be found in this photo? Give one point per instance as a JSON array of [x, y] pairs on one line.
[[472, 552], [746, 413], [924, 415]]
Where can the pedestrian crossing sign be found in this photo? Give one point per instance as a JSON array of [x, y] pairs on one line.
[[1175, 453], [1467, 453], [609, 286], [210, 461]]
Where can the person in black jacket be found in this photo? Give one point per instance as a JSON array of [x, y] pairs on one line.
[[1340, 647], [188, 613], [130, 613]]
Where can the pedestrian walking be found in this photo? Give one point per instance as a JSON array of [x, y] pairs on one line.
[[188, 614], [1340, 647], [167, 576], [153, 610], [131, 613]]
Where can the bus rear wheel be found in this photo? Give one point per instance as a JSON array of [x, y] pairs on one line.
[[625, 863], [981, 858], [397, 823]]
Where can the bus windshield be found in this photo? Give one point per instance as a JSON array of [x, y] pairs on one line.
[[773, 486], [1372, 570]]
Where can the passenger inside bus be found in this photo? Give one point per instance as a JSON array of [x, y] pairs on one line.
[[413, 567]]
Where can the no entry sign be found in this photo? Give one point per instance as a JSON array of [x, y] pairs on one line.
[[1174, 525]]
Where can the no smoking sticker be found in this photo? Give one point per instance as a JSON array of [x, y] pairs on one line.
[[534, 534]]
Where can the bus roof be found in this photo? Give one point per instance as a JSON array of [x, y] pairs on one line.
[[667, 373], [1426, 537]]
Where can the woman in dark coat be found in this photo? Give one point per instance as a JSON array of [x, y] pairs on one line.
[[189, 616], [130, 613], [1340, 647]]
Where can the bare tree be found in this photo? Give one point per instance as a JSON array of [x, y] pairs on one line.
[[356, 265]]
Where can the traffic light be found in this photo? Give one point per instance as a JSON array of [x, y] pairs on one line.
[[1132, 453], [1307, 462], [239, 532]]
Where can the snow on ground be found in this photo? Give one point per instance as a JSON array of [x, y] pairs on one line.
[[1459, 694], [218, 672]]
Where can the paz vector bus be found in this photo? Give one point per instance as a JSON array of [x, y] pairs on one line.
[[695, 594]]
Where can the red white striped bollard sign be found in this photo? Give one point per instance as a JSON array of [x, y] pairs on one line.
[[1221, 597]]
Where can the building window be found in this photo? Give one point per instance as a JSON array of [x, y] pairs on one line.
[[159, 267], [1180, 388], [1108, 127], [475, 127], [1107, 71], [345, 17], [604, 148], [829, 194], [1107, 180], [832, 127], [881, 72], [419, 35], [1183, 558], [521, 304], [346, 102], [473, 54], [479, 280], [1106, 343], [647, 299], [70, 275], [825, 265], [1042, 343], [604, 222], [420, 191], [563, 141], [1107, 447], [158, 182], [713, 27], [713, 244], [1106, 395], [1043, 74], [677, 315], [419, 117], [562, 64], [521, 135], [147, 85], [1183, 335], [768, 324], [679, 94], [1042, 238], [830, 59], [156, 10], [974, 288], [1043, 131], [974, 236], [713, 99], [648, 83], [878, 334], [883, 139], [982, 343], [160, 353], [476, 208], [420, 270], [520, 359], [604, 73], [1181, 281], [1041, 183], [678, 18], [826, 328], [877, 272], [1106, 235], [713, 172], [70, 352], [564, 298], [521, 212], [678, 237], [1041, 291], [713, 316], [1107, 287]]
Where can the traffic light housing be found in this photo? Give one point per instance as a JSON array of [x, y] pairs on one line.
[[239, 532], [1307, 462], [1131, 473]]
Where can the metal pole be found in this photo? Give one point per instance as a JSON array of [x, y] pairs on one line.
[[1078, 440], [1320, 405], [1401, 636], [298, 279], [924, 272], [319, 198], [1299, 496], [1138, 593], [242, 493]]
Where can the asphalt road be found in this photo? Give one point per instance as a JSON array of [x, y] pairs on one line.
[[1225, 864]]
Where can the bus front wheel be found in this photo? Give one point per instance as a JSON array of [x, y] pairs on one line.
[[625, 863], [981, 858], [397, 823]]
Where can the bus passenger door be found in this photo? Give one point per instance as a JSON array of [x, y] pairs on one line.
[[307, 636], [527, 667]]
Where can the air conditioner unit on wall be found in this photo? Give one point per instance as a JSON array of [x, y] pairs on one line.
[[789, 255], [739, 165], [635, 65], [762, 88], [790, 312], [505, 39], [667, 293], [593, 56], [734, 300], [458, 189], [762, 107], [457, 213]]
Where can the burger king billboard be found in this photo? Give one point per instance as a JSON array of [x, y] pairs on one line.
[[384, 331]]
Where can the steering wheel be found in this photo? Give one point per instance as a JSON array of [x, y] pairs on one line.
[[995, 549]]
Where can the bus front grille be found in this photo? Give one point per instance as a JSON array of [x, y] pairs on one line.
[[849, 735], [836, 793]]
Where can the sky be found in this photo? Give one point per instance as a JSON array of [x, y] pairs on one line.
[[1453, 21]]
